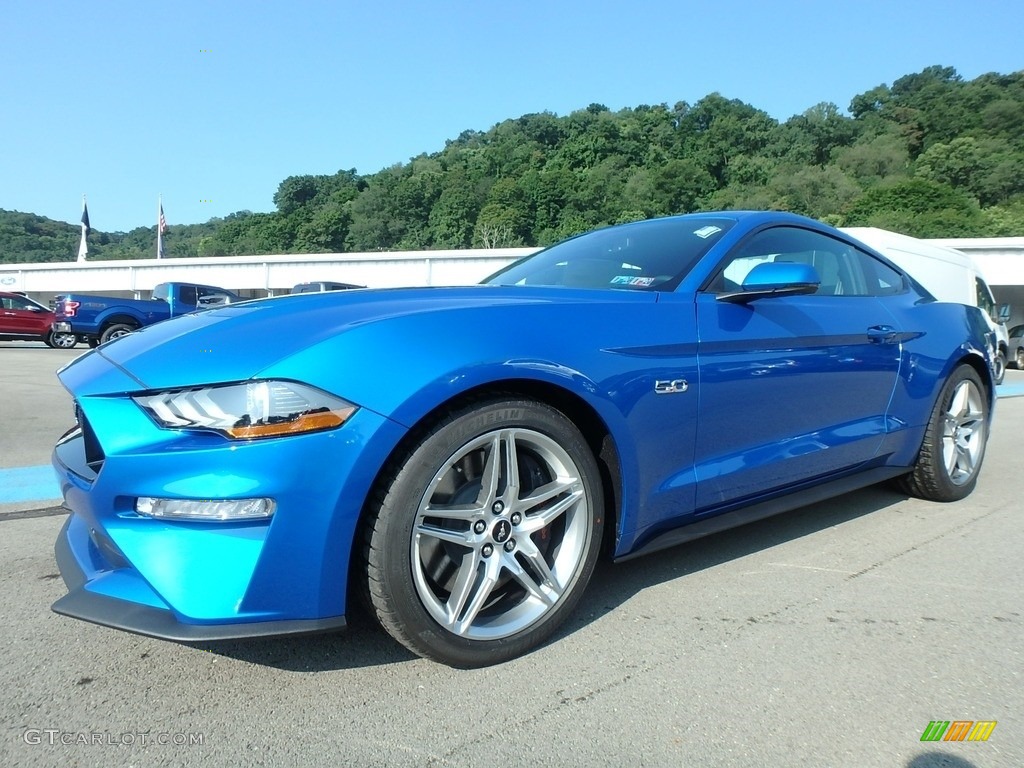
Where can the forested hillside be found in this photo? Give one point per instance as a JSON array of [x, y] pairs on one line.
[[931, 155]]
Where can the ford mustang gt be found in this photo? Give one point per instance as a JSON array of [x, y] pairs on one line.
[[458, 458]]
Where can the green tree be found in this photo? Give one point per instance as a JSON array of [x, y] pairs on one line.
[[815, 191], [720, 129], [453, 217], [1005, 220], [917, 207], [874, 159]]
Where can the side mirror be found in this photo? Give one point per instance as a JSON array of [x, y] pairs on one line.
[[1005, 310], [782, 278]]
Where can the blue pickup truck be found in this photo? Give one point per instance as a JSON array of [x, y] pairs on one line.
[[98, 319]]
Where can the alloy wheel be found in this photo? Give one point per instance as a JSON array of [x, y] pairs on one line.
[[500, 534]]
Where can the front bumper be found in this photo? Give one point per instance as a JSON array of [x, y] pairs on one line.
[[201, 581], [142, 619]]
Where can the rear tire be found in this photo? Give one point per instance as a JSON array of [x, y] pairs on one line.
[[999, 367], [485, 533], [1019, 357], [63, 340], [954, 443], [115, 331]]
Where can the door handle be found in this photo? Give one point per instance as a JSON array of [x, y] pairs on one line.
[[881, 334]]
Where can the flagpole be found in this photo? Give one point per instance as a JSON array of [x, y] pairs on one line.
[[159, 228], [83, 245]]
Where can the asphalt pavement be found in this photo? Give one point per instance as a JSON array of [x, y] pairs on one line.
[[830, 636]]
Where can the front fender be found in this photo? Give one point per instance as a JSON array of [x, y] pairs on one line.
[[408, 367]]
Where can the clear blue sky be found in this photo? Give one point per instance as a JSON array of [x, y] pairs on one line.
[[219, 101]]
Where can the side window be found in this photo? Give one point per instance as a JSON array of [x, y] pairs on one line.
[[986, 301], [842, 269], [882, 280], [837, 266], [187, 294], [212, 298]]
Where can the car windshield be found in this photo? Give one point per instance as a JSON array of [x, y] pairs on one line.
[[645, 255]]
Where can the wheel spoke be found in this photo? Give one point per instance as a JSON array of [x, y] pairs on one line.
[[491, 476], [972, 421], [548, 491], [444, 534], [548, 590], [511, 468], [464, 583], [952, 455], [965, 460], [451, 512], [959, 404], [480, 595], [544, 517], [502, 464], [430, 518], [949, 452], [967, 431]]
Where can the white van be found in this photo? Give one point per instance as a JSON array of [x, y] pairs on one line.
[[949, 275]]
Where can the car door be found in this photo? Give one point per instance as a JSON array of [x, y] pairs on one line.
[[24, 317], [792, 388]]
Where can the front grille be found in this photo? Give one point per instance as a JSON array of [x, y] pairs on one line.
[[94, 455]]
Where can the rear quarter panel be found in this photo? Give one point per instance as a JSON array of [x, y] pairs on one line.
[[938, 336]]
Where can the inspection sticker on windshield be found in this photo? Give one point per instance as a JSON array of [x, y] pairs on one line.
[[706, 232], [639, 282]]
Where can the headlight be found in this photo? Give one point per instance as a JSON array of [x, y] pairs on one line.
[[250, 410]]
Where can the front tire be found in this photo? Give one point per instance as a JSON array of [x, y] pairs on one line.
[[999, 367], [485, 533], [1019, 357], [954, 443]]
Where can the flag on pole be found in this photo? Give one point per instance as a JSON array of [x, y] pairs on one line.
[[83, 246], [161, 228]]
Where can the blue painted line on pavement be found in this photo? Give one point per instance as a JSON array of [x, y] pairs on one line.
[[28, 484], [1010, 390]]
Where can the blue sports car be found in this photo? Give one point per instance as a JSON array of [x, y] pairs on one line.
[[458, 458]]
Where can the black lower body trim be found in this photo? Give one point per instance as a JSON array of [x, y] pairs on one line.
[[760, 510]]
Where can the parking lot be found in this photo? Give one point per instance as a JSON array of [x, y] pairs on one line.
[[830, 636]]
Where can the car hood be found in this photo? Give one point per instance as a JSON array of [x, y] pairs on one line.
[[256, 338]]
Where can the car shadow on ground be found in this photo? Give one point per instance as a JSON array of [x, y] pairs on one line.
[[615, 583], [939, 760], [365, 644]]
